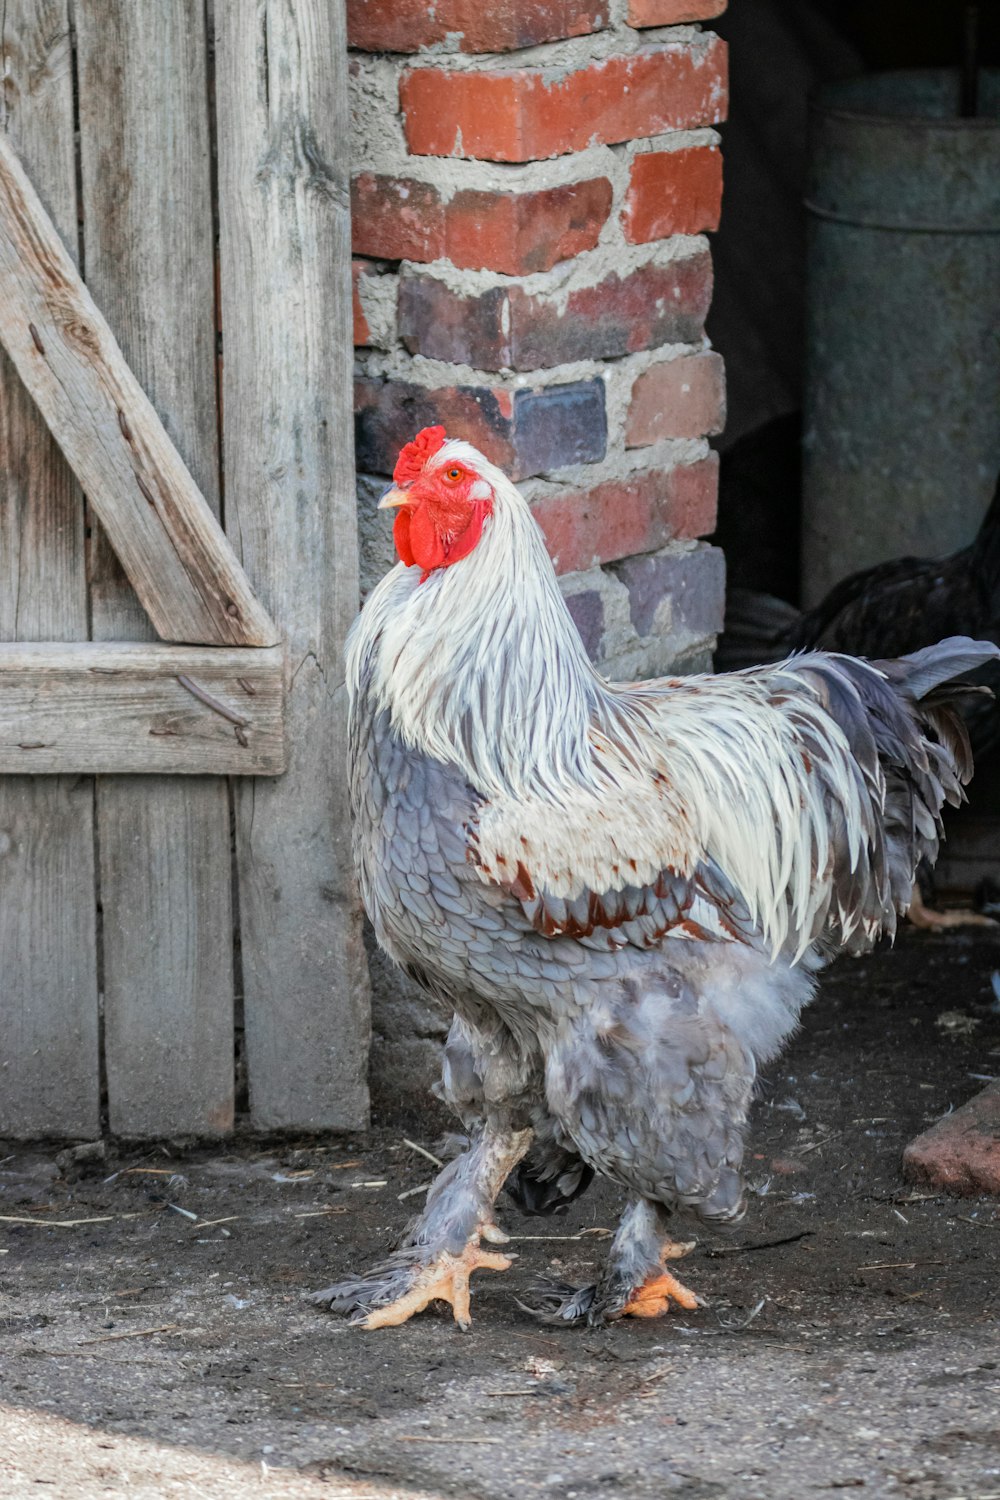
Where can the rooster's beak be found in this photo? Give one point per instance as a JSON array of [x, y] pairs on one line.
[[393, 496]]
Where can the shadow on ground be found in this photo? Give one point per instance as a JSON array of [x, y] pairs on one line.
[[850, 1340]]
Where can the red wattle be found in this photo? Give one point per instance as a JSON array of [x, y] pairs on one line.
[[419, 542], [425, 541], [401, 537]]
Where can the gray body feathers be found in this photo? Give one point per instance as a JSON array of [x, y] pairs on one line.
[[626, 1025]]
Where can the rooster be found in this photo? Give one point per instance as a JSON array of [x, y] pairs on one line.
[[623, 892]]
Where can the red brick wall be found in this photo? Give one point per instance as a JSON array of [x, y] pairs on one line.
[[533, 182]]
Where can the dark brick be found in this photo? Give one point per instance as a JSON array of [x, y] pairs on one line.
[[560, 425], [694, 581], [587, 609], [524, 432], [506, 327], [389, 412], [408, 25], [620, 315], [462, 329]]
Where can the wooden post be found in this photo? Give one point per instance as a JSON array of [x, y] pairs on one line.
[[49, 1075], [281, 92], [164, 843]]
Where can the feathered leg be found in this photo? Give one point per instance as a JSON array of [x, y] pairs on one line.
[[634, 1283], [442, 1249]]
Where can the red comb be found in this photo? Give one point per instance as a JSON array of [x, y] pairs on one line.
[[411, 460]]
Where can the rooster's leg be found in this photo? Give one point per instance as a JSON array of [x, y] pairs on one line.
[[442, 1249], [635, 1282]]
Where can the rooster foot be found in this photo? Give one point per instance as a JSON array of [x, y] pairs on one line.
[[613, 1297], [653, 1298], [406, 1283]]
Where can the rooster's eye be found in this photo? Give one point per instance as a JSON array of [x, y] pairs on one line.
[[453, 475]]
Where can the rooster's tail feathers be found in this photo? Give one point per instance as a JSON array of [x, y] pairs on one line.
[[920, 672]]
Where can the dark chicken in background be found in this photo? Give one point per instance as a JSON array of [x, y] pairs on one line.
[[888, 610]]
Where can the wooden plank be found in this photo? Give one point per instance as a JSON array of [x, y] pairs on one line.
[[170, 544], [165, 868], [281, 99], [49, 1072], [178, 710], [168, 984]]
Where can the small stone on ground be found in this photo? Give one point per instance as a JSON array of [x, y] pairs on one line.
[[961, 1153]]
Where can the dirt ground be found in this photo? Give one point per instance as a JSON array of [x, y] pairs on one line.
[[850, 1340]]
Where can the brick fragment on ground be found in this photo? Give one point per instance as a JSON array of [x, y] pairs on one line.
[[961, 1153]]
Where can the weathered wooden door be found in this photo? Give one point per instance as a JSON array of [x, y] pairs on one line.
[[205, 201]]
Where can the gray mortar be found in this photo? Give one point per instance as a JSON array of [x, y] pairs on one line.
[[386, 155], [588, 269], [378, 297], [557, 59]]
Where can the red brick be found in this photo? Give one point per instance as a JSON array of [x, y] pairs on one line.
[[518, 233], [362, 333], [408, 25], [694, 497], [524, 432], [624, 516], [682, 398], [401, 218], [961, 1153], [396, 218], [672, 12], [507, 327], [526, 114], [673, 192]]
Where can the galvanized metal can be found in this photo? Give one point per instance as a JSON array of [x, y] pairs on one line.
[[902, 402]]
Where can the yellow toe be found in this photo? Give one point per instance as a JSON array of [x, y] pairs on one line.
[[446, 1279], [653, 1298]]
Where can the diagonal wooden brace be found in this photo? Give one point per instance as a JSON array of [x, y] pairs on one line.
[[176, 555]]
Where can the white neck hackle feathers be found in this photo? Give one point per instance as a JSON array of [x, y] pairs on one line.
[[481, 666]]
